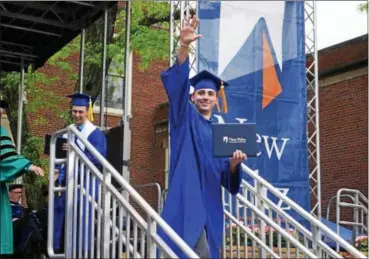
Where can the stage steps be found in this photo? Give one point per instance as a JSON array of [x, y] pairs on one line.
[[121, 231]]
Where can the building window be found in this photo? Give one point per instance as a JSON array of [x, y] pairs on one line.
[[114, 85], [114, 92]]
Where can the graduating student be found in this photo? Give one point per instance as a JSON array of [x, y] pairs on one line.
[[193, 207], [82, 114], [12, 166]]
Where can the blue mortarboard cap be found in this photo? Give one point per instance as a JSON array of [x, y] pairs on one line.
[[79, 99], [206, 80]]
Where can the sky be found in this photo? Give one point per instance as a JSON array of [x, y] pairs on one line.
[[338, 21]]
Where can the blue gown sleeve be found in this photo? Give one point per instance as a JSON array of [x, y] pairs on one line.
[[177, 85], [98, 140], [231, 181]]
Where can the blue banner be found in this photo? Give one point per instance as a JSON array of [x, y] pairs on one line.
[[259, 49]]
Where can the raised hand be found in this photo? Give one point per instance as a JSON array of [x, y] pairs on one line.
[[188, 32]]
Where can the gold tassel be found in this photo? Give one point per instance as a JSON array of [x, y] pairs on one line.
[[90, 114], [224, 100]]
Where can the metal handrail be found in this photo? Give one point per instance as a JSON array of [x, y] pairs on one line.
[[162, 198], [315, 222], [362, 196], [331, 200], [158, 188], [128, 188], [265, 220], [257, 240], [358, 199], [283, 232], [291, 220]]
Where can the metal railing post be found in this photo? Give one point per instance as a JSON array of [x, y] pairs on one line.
[[103, 76], [355, 229], [19, 180], [260, 191], [151, 230], [70, 186], [82, 59], [106, 200]]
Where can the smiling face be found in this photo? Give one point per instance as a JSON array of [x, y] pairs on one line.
[[205, 100], [79, 114]]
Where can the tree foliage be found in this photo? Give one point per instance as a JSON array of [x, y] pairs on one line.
[[149, 39], [363, 7]]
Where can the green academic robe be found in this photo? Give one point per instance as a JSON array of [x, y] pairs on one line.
[[12, 166]]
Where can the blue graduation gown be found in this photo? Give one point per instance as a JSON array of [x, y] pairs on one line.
[[17, 210], [194, 201], [59, 208], [98, 140]]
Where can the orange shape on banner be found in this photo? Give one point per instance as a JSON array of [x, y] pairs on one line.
[[271, 86]]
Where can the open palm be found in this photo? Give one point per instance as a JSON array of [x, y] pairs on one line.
[[188, 32]]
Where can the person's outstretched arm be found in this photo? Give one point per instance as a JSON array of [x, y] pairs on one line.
[[176, 78], [13, 165]]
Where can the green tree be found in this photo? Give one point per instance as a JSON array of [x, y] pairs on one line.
[[149, 39], [363, 7]]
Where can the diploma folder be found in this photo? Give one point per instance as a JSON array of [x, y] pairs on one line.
[[228, 137], [59, 152]]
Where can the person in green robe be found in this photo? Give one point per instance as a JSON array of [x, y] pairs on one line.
[[12, 165]]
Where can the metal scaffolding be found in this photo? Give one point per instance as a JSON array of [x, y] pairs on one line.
[[180, 11], [312, 84]]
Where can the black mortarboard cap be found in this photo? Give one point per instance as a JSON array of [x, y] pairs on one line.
[[15, 186]]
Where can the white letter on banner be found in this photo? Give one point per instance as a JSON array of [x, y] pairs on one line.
[[284, 191], [274, 146], [241, 120], [258, 140]]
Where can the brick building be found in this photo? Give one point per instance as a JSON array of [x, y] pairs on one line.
[[343, 73], [343, 81]]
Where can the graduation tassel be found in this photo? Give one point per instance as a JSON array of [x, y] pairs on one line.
[[90, 114], [224, 100]]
